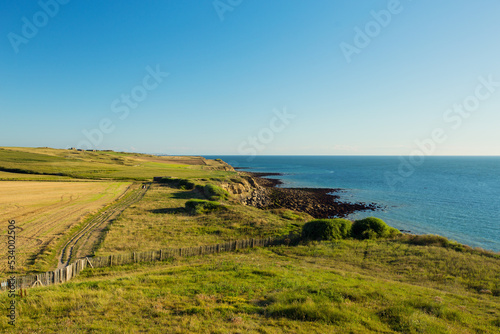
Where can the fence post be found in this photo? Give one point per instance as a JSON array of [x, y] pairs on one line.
[[65, 274]]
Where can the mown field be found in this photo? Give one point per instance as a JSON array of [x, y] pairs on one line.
[[45, 212]]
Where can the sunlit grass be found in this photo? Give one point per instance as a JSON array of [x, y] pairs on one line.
[[160, 220], [315, 288], [99, 165], [404, 284]]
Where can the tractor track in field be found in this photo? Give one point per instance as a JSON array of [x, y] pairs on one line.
[[81, 242]]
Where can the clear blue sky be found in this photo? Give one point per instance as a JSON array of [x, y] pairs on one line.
[[233, 64]]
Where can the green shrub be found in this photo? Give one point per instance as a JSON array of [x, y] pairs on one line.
[[393, 232], [186, 185], [178, 183], [327, 229], [199, 206], [215, 193], [372, 228]]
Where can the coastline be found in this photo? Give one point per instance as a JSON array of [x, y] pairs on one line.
[[317, 202]]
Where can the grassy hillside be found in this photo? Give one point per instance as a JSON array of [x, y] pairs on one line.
[[160, 220], [400, 285], [344, 287], [103, 165]]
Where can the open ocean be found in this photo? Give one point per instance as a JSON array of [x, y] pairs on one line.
[[457, 197]]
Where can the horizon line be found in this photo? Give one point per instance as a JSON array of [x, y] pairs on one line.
[[273, 155]]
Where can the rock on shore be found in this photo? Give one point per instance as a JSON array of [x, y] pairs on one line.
[[319, 203]]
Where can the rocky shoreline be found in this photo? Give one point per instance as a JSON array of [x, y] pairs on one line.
[[317, 202]]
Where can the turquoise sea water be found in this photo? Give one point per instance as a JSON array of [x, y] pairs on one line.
[[457, 197]]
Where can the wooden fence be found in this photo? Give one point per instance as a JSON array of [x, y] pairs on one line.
[[67, 273]]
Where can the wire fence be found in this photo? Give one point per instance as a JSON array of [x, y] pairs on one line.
[[72, 270]]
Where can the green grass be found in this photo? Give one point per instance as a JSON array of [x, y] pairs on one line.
[[160, 220], [403, 284], [97, 165], [6, 176], [347, 286]]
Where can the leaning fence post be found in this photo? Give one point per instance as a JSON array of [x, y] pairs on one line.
[[88, 261]]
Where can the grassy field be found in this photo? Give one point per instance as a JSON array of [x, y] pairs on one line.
[[48, 212], [160, 221], [104, 165], [45, 211], [350, 286], [6, 176], [344, 287]]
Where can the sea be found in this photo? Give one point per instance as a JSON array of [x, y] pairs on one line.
[[456, 197]]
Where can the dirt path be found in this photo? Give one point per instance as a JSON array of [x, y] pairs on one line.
[[83, 242]]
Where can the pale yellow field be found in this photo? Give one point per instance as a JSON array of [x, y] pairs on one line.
[[45, 211]]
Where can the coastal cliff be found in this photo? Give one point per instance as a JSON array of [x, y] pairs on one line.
[[256, 190]]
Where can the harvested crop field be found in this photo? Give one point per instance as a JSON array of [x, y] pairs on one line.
[[45, 212]]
